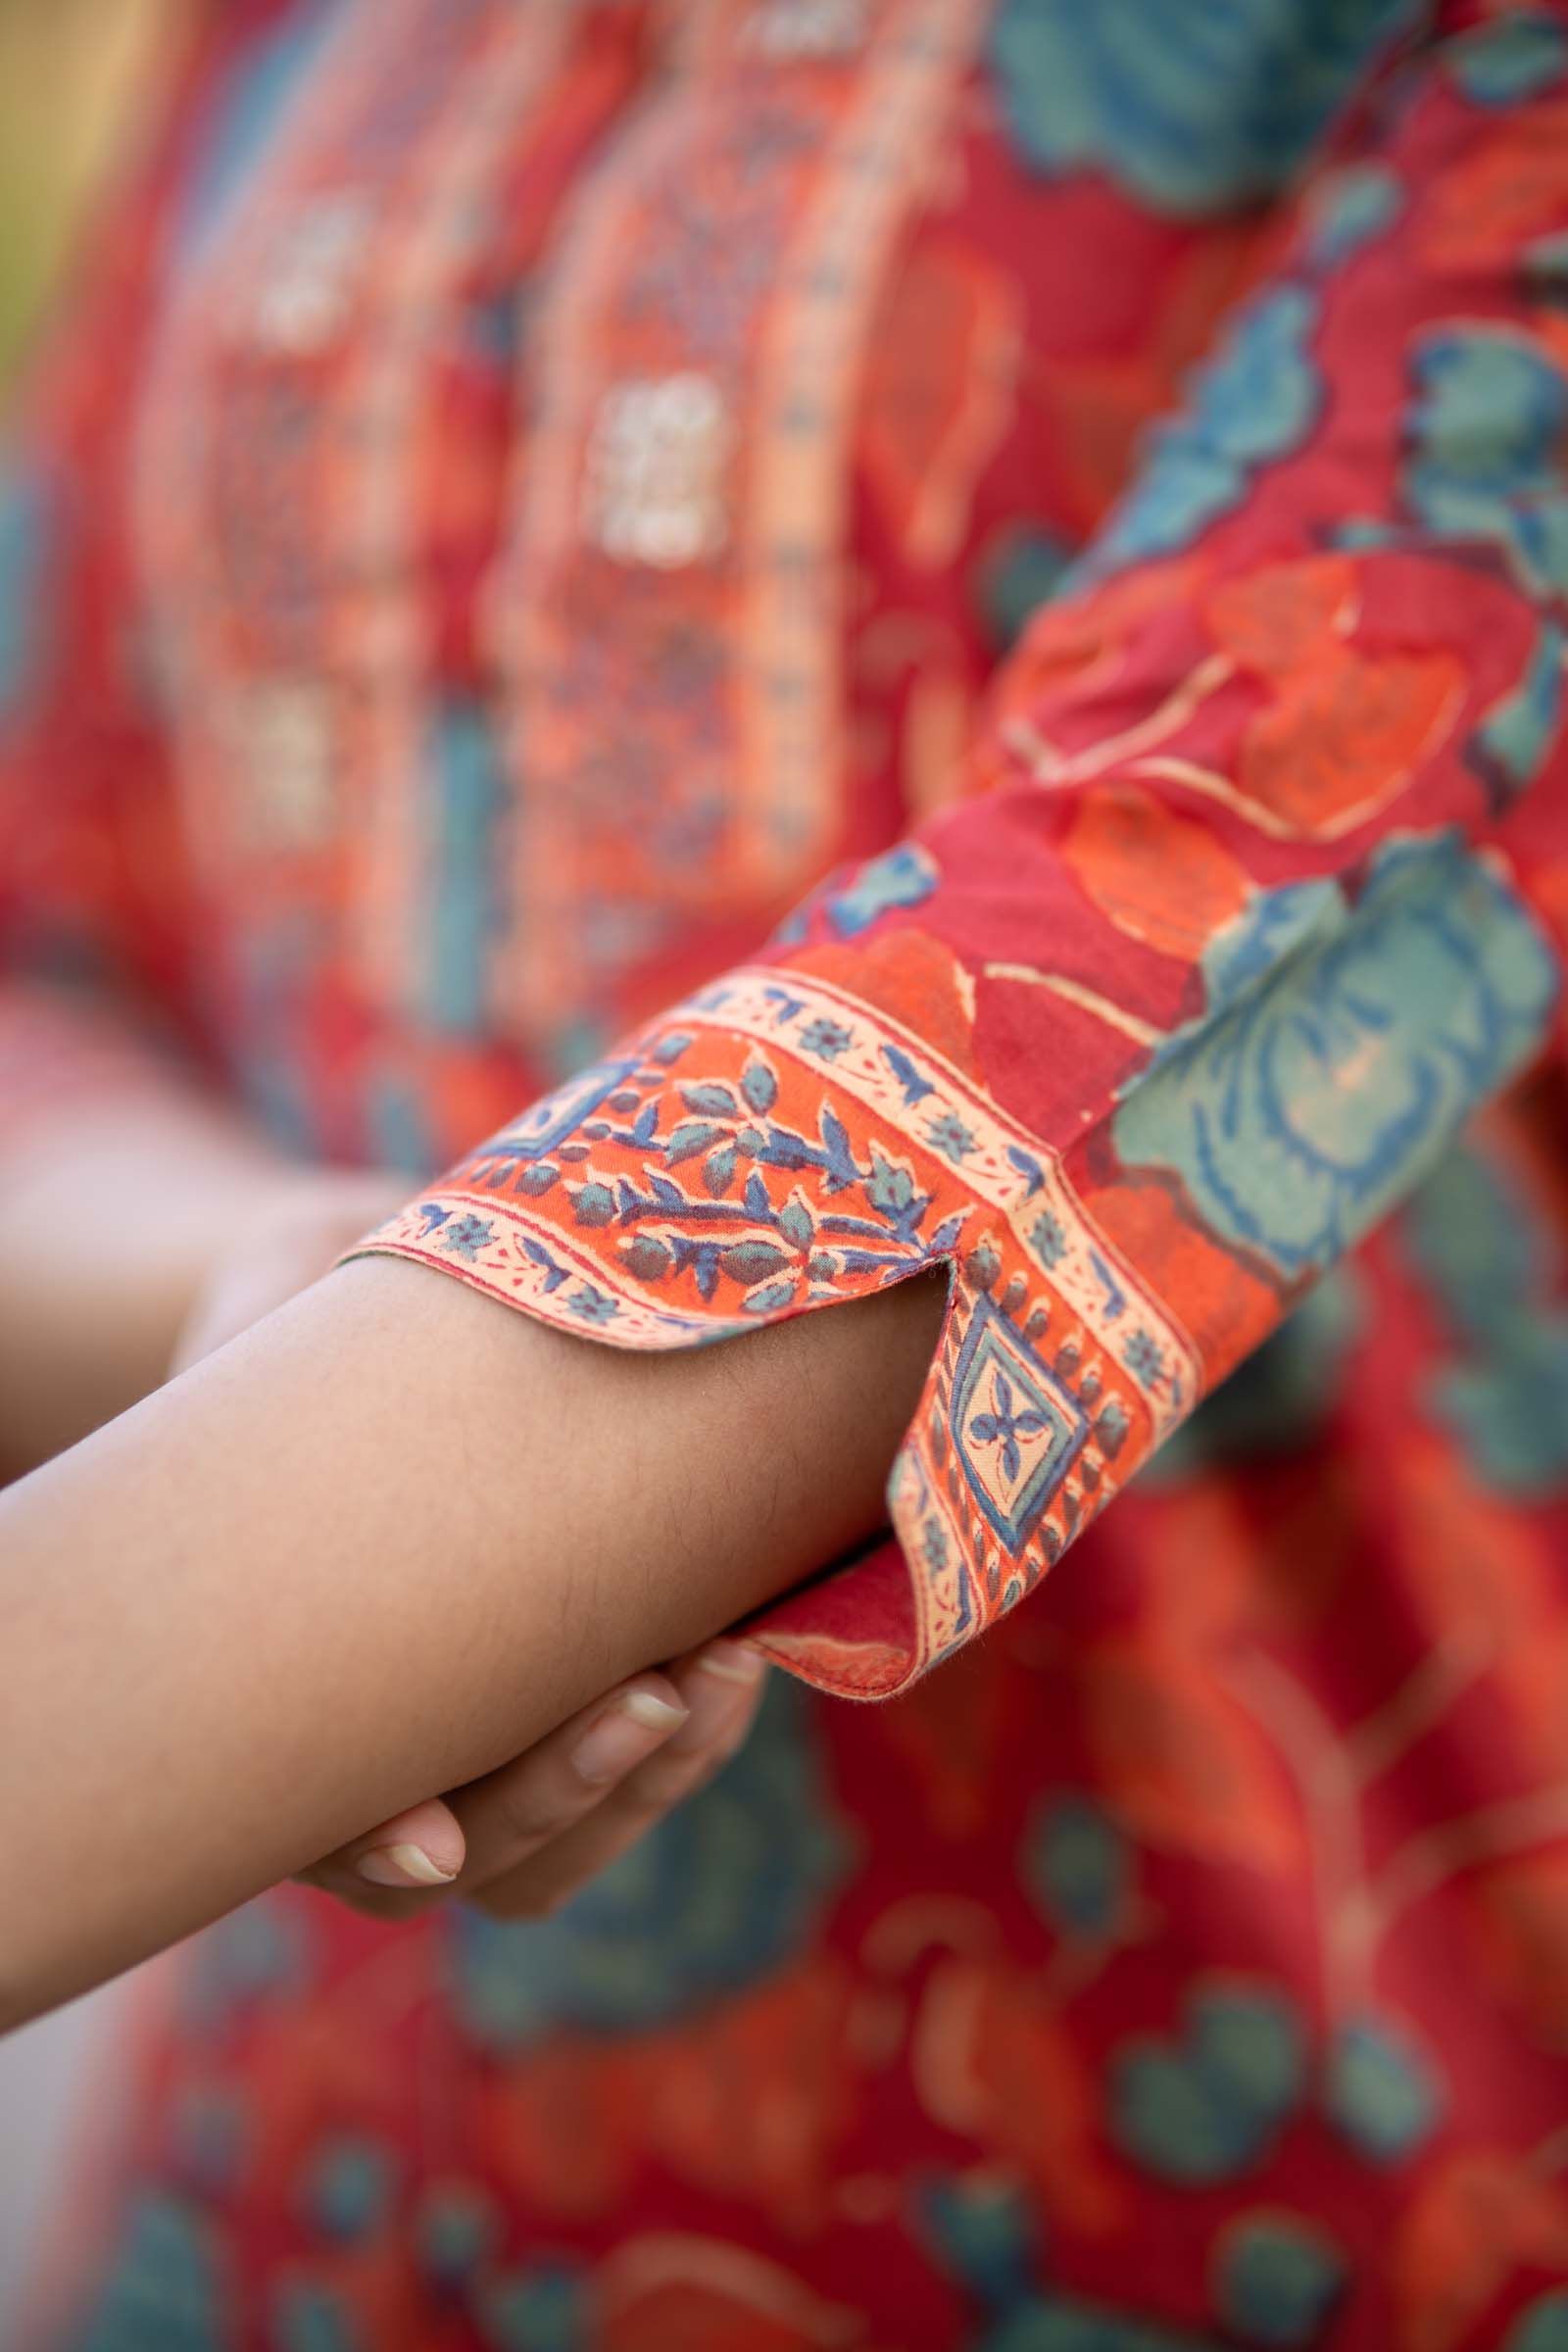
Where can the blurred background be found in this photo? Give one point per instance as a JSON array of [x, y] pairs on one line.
[[73, 76], [70, 75]]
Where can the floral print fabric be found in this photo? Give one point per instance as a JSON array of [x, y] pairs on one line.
[[931, 628], [1262, 943]]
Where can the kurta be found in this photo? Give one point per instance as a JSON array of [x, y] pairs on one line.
[[876, 634]]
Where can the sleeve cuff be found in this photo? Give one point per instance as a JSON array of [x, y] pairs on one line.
[[778, 1145]]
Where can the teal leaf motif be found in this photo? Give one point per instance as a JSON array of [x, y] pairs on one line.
[[164, 2290], [1254, 401], [1382, 2094], [1079, 1866], [1193, 107], [1209, 2108], [348, 2187], [1544, 2328], [535, 2311], [712, 1099], [1516, 57], [689, 1138], [759, 1084], [1278, 2279]]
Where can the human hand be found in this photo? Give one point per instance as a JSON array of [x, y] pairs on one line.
[[290, 1228], [527, 1835], [526, 1838]]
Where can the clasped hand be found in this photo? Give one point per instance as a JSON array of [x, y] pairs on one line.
[[522, 1839]]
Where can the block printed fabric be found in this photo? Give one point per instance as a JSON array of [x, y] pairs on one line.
[[875, 635]]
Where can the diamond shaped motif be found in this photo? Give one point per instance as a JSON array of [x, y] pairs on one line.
[[1017, 1431]]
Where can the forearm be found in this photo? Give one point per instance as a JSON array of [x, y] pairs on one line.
[[372, 1550]]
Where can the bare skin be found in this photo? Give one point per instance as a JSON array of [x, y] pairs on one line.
[[381, 1546], [207, 1229]]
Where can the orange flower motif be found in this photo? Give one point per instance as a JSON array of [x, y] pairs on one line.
[[1159, 877], [996, 2062], [1343, 729], [1184, 1764], [1074, 643], [1510, 190]]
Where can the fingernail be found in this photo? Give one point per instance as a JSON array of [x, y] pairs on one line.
[[402, 1866], [731, 1661], [625, 1732]]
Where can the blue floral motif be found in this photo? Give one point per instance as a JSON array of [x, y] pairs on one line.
[[1079, 1866], [1488, 435], [1383, 2092], [1352, 207], [1516, 56], [1486, 431], [1486, 1257], [544, 2309], [901, 877], [948, 1134], [1343, 1058], [1194, 106], [593, 1306], [465, 1235], [827, 1039], [890, 1187], [455, 2226], [164, 2290], [723, 1892], [1511, 743], [1209, 2108], [1544, 2328], [1006, 1423], [1047, 1239], [1017, 576], [1254, 401], [1278, 2281], [984, 2233], [310, 2317], [256, 1954], [1016, 1429], [348, 2187]]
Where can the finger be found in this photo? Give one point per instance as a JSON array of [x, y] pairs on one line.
[[517, 1807], [511, 1813], [722, 1687], [420, 1848]]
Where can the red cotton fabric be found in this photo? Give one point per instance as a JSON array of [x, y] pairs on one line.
[[873, 634]]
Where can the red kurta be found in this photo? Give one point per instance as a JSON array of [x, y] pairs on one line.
[[536, 485]]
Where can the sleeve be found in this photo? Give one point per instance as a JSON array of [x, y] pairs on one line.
[[91, 907], [1252, 889]]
